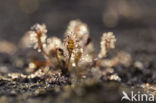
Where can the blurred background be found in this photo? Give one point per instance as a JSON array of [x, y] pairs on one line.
[[132, 21]]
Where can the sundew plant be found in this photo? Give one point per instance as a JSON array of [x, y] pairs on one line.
[[74, 57]]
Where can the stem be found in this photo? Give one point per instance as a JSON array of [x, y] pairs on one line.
[[42, 50]]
